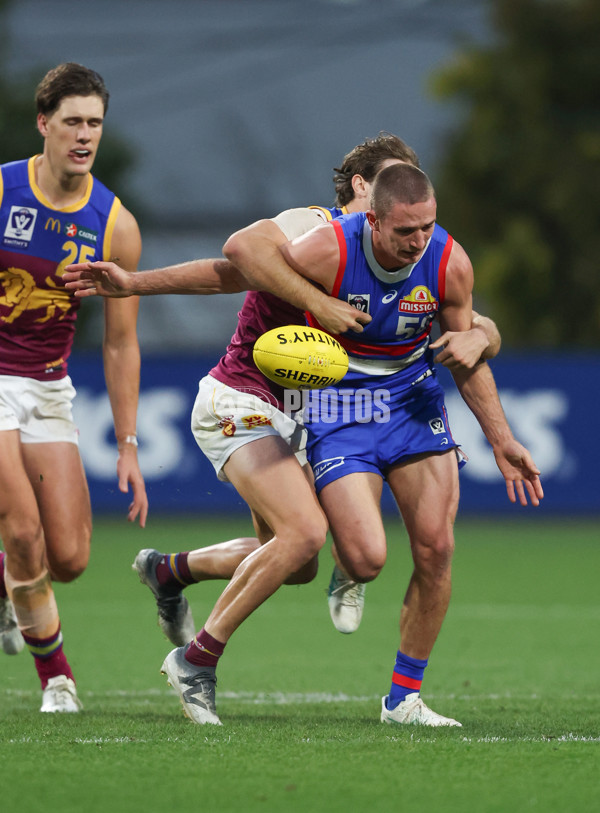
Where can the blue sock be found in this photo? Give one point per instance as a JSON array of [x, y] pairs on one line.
[[406, 678]]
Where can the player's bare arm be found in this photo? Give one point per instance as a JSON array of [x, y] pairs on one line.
[[255, 250], [463, 348], [211, 276], [478, 389], [315, 255], [467, 348], [121, 354], [492, 333]]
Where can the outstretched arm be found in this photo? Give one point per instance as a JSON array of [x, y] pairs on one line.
[[478, 389], [255, 250], [108, 279]]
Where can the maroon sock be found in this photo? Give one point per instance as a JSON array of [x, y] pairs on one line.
[[50, 660], [3, 593], [204, 650], [173, 571]]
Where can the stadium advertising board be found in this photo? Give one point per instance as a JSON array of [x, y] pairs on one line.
[[549, 401]]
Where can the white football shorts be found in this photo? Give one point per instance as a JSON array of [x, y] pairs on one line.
[[40, 410], [225, 419]]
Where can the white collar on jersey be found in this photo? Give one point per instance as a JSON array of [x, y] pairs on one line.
[[380, 272]]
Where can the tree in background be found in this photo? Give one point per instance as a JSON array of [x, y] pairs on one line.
[[520, 180]]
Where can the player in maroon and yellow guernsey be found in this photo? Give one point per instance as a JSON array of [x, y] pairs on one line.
[[54, 212]]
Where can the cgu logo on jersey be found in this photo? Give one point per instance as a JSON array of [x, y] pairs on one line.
[[419, 300], [71, 230]]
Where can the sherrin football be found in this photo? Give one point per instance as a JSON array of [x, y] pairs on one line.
[[300, 357]]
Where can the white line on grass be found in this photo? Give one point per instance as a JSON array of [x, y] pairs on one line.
[[506, 740], [424, 740], [289, 698]]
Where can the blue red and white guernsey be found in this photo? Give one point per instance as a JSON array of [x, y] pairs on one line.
[[403, 303], [389, 407], [37, 242], [260, 312]]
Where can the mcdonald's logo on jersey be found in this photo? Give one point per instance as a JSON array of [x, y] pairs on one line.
[[53, 224], [71, 230]]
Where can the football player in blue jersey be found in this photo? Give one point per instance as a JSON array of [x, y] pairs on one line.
[[53, 212], [259, 246], [411, 272]]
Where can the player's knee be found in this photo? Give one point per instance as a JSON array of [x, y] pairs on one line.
[[66, 569], [361, 559], [306, 539], [313, 531], [24, 543], [366, 567], [68, 558], [316, 535], [433, 555]]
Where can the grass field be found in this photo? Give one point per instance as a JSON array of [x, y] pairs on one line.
[[518, 662]]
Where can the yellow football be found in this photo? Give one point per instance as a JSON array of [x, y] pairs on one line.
[[300, 357]]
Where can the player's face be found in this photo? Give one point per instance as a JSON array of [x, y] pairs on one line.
[[400, 237], [72, 134]]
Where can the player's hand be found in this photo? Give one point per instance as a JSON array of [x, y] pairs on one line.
[[520, 473], [336, 316], [460, 349], [129, 474], [98, 279]]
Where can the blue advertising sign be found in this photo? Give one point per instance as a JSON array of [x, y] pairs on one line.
[[549, 402]]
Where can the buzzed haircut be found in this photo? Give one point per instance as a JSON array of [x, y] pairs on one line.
[[68, 79], [399, 183], [366, 160]]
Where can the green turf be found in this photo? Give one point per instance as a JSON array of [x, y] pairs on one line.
[[517, 662]]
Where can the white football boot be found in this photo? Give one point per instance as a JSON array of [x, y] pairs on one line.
[[195, 686], [11, 639], [60, 695], [413, 711], [346, 599]]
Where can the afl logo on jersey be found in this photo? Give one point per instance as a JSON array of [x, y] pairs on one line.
[[360, 301], [19, 227]]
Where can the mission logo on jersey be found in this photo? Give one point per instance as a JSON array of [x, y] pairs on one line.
[[419, 300]]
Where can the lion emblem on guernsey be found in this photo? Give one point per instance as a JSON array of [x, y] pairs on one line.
[[20, 293]]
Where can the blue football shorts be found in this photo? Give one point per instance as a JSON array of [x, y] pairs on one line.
[[368, 425]]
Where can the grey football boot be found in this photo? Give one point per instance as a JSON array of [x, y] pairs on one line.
[[174, 613]]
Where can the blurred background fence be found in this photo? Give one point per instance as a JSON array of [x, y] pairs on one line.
[[546, 400]]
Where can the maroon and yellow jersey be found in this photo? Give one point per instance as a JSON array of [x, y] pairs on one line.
[[37, 242], [260, 312]]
